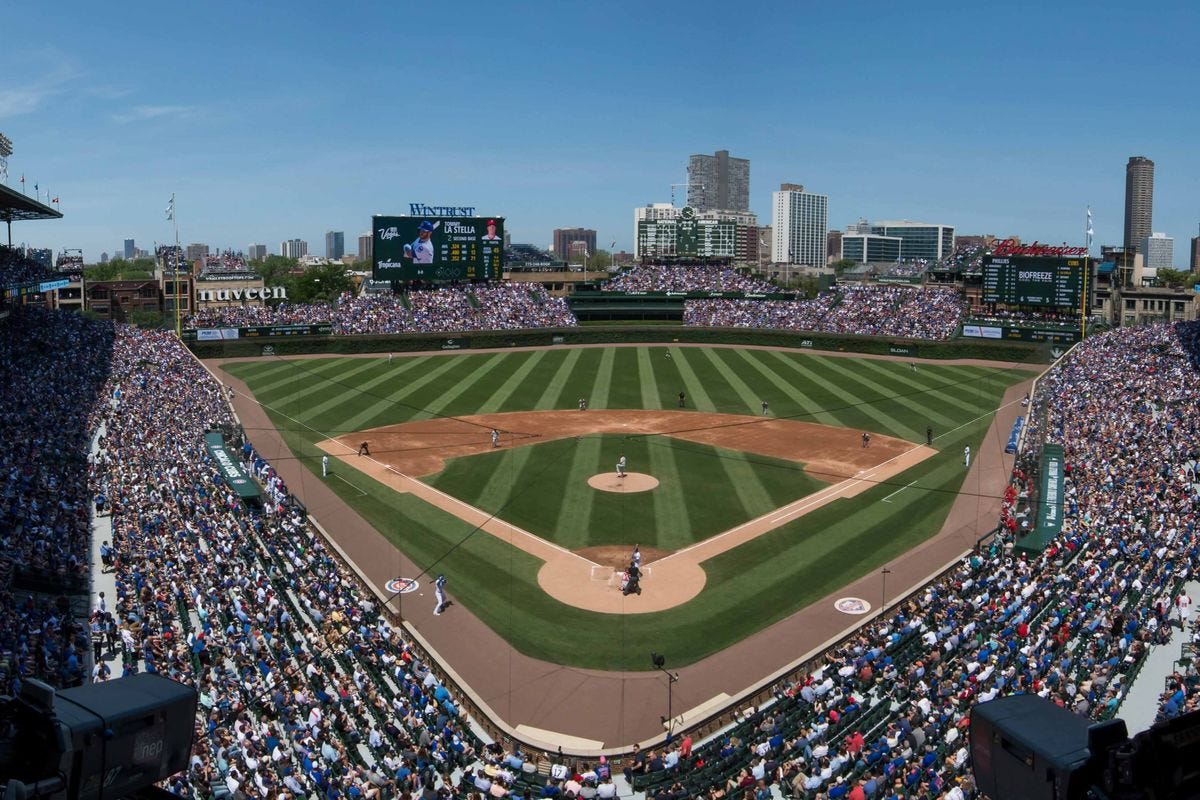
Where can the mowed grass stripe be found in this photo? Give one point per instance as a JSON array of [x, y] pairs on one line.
[[720, 396], [574, 518], [741, 478], [931, 392], [371, 405], [890, 396], [662, 465], [806, 399], [509, 387], [751, 398], [962, 385], [495, 494], [625, 389], [554, 389], [306, 382], [598, 396], [881, 421], [651, 398], [435, 407], [283, 373]]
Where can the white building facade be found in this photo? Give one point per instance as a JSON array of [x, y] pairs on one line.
[[1159, 250], [799, 227]]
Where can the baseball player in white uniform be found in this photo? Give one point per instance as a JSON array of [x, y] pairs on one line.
[[495, 438], [439, 589], [324, 466], [621, 466], [967, 456], [421, 250]]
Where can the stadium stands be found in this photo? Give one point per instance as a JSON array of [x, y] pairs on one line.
[[306, 689]]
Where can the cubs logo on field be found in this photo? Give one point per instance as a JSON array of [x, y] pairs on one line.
[[401, 585], [852, 605]]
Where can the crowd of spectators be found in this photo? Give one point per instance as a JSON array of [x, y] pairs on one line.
[[476, 307], [307, 689], [685, 279], [171, 257], [17, 270], [227, 262], [866, 310]]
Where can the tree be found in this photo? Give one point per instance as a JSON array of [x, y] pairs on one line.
[[843, 264], [320, 284], [1176, 278]]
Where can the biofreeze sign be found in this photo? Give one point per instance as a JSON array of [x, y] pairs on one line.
[[251, 293]]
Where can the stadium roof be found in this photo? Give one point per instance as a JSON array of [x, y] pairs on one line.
[[16, 206]]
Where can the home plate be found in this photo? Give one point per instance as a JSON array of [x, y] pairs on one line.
[[632, 482]]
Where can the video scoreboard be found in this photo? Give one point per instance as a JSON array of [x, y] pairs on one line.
[[1033, 280], [437, 248]]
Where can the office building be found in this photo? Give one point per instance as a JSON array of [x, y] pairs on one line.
[[1159, 250], [800, 226], [256, 252], [833, 246], [335, 244], [718, 182], [1195, 262], [366, 246], [573, 240], [919, 240], [104, 258], [196, 252], [869, 247], [293, 248], [130, 250], [1139, 201]]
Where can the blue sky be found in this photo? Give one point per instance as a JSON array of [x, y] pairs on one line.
[[275, 120]]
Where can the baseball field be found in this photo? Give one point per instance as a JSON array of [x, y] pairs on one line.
[[743, 517]]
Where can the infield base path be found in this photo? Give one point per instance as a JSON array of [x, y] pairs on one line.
[[402, 452]]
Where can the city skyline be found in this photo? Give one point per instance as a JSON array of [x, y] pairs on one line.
[[1002, 146]]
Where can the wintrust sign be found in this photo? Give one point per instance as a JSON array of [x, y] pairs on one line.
[[251, 293]]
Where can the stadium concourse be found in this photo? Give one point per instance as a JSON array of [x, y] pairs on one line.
[[308, 690]]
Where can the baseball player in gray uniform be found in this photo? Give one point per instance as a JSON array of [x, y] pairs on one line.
[[621, 466]]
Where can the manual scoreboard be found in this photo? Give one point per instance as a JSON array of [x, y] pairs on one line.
[[1033, 281], [437, 248]]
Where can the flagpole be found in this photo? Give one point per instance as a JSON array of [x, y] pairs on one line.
[[175, 222], [1087, 261]]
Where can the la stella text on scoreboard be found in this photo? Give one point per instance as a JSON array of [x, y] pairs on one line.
[[437, 243]]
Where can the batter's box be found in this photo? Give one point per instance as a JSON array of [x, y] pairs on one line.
[[603, 573]]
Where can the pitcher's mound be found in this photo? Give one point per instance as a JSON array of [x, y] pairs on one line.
[[632, 482]]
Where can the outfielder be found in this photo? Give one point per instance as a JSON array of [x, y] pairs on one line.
[[621, 466], [439, 589], [766, 408], [967, 456]]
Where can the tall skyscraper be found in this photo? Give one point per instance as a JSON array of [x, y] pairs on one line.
[[1195, 263], [565, 238], [130, 250], [335, 244], [1139, 201], [1158, 250], [366, 246], [293, 248], [718, 182], [256, 252], [800, 226]]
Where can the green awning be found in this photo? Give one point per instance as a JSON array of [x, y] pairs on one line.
[[230, 468]]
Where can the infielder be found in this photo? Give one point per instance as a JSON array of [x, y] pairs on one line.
[[439, 589], [866, 439], [324, 466], [929, 436], [766, 408], [621, 466], [421, 250], [495, 438], [967, 456]]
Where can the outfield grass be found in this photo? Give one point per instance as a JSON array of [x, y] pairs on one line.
[[543, 489], [749, 587]]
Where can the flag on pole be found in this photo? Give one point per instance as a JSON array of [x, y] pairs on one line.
[[171, 209], [1090, 231]]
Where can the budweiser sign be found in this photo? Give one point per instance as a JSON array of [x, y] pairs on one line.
[[1009, 247]]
